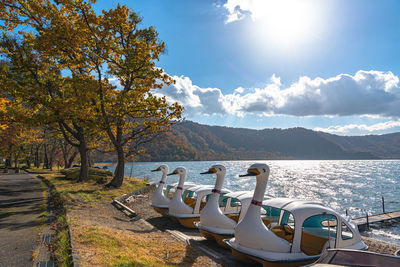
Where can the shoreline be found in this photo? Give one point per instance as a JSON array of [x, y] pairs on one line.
[[222, 160]]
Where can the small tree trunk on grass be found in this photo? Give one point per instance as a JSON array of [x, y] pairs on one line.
[[84, 173], [118, 178]]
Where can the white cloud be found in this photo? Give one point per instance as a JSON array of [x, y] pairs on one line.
[[239, 90], [367, 93], [115, 82], [356, 129], [238, 9], [206, 101], [270, 10]]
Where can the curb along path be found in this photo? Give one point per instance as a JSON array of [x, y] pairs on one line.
[[53, 217]]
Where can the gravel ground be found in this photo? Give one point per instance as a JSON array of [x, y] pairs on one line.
[[380, 246]]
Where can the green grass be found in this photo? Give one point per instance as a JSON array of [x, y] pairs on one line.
[[114, 247], [40, 170], [91, 191], [98, 175], [67, 192], [62, 248], [44, 215]]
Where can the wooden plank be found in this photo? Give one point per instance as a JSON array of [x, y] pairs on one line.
[[377, 218], [129, 210], [395, 214]]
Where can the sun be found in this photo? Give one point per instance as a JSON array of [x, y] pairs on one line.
[[286, 22]]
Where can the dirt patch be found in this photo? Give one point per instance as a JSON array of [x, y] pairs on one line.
[[380, 246], [104, 236]]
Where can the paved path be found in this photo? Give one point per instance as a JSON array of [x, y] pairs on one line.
[[21, 200]]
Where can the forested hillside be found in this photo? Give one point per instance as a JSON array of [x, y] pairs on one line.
[[193, 141], [383, 146]]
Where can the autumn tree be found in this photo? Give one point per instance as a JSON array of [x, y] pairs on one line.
[[46, 73], [101, 47], [15, 136], [33, 77], [130, 113]]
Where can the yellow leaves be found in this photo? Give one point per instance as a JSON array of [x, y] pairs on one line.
[[71, 50], [4, 119]]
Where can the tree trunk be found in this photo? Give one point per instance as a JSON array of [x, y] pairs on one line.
[[52, 155], [84, 174], [69, 162], [37, 161], [15, 160], [28, 159], [90, 158], [46, 159], [8, 162], [118, 178], [16, 156], [64, 151]]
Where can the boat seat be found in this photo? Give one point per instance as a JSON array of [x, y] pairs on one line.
[[266, 221], [312, 244], [284, 232], [234, 217], [190, 201]]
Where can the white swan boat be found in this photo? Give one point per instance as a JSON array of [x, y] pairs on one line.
[[221, 214], [162, 196], [159, 200], [186, 209], [298, 236]]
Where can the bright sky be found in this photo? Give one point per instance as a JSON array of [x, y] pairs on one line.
[[330, 65]]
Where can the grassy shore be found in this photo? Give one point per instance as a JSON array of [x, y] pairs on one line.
[[102, 235]]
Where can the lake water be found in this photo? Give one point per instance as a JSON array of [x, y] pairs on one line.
[[355, 185]]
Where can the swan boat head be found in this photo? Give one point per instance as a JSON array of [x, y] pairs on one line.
[[176, 205], [159, 200], [251, 232], [163, 168], [211, 217]]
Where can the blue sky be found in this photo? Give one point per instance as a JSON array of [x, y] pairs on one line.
[[329, 65]]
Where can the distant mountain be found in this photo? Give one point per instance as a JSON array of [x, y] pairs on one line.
[[383, 146], [193, 141]]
